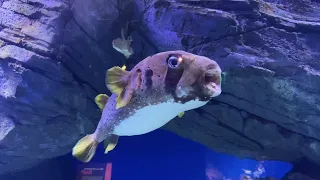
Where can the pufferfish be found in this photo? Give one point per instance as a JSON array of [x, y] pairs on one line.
[[156, 90]]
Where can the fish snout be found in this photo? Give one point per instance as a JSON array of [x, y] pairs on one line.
[[212, 80]]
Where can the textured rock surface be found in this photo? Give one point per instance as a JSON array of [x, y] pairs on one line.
[[44, 106], [270, 105], [53, 57]]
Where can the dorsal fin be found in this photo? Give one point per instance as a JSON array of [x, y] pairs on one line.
[[101, 100]]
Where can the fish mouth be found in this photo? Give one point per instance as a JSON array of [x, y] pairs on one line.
[[212, 79]]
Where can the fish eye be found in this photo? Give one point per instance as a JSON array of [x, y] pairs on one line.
[[173, 61]]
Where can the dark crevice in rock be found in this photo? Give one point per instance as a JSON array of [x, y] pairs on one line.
[[44, 116], [25, 40], [203, 126], [35, 16], [83, 30], [34, 20], [33, 107], [286, 133], [161, 4], [271, 110], [66, 53], [79, 80], [41, 72], [15, 121], [38, 15], [308, 124], [150, 43], [234, 143], [201, 111], [210, 40], [20, 44], [299, 27], [57, 119], [234, 6], [240, 145], [32, 3], [43, 6], [13, 155], [265, 120], [145, 10], [24, 46]]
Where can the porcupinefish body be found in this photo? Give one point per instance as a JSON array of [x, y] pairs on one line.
[[144, 99]]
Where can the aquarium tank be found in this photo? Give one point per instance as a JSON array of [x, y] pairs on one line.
[[159, 90]]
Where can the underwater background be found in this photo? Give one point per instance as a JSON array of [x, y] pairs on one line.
[[265, 124], [157, 155]]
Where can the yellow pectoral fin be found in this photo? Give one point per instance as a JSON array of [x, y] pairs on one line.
[[181, 114], [116, 79], [124, 98], [126, 94]]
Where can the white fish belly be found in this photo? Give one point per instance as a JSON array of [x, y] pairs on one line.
[[153, 117]]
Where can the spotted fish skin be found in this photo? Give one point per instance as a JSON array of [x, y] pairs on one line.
[[155, 91], [141, 116], [111, 117]]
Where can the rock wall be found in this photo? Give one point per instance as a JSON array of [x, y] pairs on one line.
[[54, 54], [269, 107], [45, 106]]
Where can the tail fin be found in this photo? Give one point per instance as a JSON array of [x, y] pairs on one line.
[[85, 148]]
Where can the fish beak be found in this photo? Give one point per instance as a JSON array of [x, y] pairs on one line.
[[212, 80]]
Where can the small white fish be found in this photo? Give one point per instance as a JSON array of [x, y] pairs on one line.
[[123, 45], [246, 171]]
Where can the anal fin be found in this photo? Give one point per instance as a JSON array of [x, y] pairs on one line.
[[110, 143]]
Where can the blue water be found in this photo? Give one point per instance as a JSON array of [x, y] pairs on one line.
[[231, 166], [159, 155], [164, 155]]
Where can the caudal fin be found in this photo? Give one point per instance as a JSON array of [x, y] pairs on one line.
[[85, 148]]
